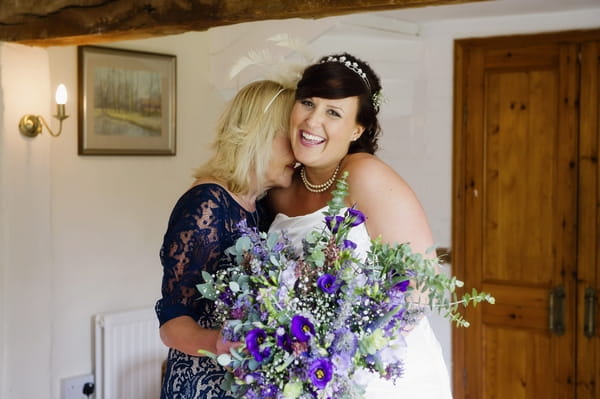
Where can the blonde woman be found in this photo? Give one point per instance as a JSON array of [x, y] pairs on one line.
[[251, 154]]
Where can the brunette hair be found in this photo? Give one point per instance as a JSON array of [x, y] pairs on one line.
[[340, 76]]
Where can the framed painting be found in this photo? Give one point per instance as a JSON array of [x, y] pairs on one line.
[[127, 102]]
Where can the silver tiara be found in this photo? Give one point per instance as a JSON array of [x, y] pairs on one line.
[[377, 98], [352, 65]]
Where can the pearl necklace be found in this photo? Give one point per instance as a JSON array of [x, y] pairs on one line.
[[318, 188]]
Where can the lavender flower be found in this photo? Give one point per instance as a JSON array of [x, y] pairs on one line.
[[342, 363], [343, 349], [320, 372], [238, 312], [344, 342], [288, 276]]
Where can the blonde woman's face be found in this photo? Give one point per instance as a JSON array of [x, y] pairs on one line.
[[281, 164], [321, 129]]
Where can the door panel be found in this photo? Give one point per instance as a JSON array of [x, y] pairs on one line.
[[520, 147]]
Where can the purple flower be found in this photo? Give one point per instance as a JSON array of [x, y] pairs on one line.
[[342, 363], [229, 333], [254, 340], [343, 349], [279, 246], [344, 341], [253, 393], [269, 392], [333, 223], [227, 297], [347, 244], [320, 372], [401, 286], [396, 295], [356, 217], [283, 340], [238, 313], [288, 277], [302, 329], [327, 283], [394, 371]]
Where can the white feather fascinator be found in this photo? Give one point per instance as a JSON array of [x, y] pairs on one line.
[[284, 69]]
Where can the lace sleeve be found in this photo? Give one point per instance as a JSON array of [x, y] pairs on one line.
[[200, 228]]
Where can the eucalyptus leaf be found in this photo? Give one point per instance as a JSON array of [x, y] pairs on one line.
[[208, 278], [272, 240], [234, 286], [243, 244], [207, 290], [227, 382], [253, 364], [224, 359]]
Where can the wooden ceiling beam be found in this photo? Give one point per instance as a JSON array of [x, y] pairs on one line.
[[77, 22]]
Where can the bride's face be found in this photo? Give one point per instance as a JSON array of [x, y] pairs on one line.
[[281, 165], [321, 129]]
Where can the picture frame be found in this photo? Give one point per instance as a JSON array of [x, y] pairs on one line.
[[127, 102]]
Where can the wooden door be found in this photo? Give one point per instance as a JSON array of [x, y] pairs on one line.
[[516, 212], [588, 276]]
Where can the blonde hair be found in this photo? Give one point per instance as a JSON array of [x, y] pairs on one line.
[[245, 133]]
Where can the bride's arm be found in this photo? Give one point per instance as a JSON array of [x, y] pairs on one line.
[[393, 211]]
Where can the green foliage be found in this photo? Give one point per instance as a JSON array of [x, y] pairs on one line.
[[438, 288]]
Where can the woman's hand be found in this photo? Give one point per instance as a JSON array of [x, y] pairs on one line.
[[184, 334], [224, 346]]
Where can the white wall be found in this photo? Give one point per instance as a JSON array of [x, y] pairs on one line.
[[25, 214], [81, 234], [109, 212]]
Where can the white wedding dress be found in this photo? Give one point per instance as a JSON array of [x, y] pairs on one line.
[[425, 373]]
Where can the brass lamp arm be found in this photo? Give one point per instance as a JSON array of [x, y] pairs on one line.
[[31, 125]]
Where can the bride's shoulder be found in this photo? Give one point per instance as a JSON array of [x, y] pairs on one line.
[[364, 166]]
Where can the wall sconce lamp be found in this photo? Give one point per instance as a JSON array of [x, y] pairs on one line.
[[31, 125]]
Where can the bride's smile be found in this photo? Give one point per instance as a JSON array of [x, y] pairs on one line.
[[322, 129]]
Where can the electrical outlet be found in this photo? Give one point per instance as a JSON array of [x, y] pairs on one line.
[[72, 387]]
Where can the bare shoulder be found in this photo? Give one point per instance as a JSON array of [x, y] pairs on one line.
[[369, 174], [392, 208]]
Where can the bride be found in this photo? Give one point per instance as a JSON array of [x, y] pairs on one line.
[[334, 128]]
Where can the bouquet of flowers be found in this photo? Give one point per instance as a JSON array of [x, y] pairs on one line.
[[308, 322]]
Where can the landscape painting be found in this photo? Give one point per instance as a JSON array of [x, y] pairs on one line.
[[127, 102]]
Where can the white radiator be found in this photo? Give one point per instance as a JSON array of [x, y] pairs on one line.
[[129, 355]]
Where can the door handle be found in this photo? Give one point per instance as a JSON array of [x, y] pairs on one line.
[[556, 313], [589, 323]]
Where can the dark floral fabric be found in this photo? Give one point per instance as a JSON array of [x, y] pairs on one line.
[[201, 226]]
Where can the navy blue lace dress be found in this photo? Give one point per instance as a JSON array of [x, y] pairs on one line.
[[202, 225]]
